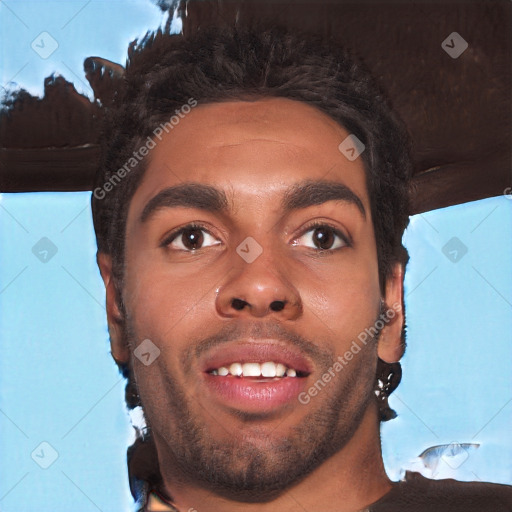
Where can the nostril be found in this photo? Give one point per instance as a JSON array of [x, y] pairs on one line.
[[277, 305], [238, 304]]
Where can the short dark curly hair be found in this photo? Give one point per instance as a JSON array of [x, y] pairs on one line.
[[165, 71]]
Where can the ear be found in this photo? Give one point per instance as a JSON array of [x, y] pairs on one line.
[[391, 346], [118, 345]]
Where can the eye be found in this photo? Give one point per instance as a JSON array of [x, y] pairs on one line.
[[323, 237], [190, 238]]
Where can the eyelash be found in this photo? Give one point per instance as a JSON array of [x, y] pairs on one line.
[[323, 224], [175, 234], [315, 224]]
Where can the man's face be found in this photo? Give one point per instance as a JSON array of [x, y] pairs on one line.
[[206, 297]]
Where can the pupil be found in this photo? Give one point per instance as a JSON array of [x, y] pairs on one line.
[[323, 240], [192, 238]]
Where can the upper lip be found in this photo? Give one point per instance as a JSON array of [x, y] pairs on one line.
[[256, 351]]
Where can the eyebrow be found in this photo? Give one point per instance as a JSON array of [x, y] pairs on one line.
[[187, 195], [211, 199], [310, 193]]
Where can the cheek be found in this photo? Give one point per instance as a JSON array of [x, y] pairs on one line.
[[163, 302], [346, 299], [163, 309]]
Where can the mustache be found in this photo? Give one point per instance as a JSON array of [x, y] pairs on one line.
[[275, 330], [322, 357], [257, 331]]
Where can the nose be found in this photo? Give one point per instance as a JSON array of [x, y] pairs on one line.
[[258, 289]]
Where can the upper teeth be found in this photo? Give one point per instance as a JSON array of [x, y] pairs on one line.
[[268, 369]]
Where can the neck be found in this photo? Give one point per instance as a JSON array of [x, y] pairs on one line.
[[348, 481]]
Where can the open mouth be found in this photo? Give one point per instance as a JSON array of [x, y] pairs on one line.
[[258, 377], [259, 371]]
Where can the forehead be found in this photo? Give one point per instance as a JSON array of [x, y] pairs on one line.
[[253, 149]]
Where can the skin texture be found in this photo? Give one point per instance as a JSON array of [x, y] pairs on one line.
[[324, 455]]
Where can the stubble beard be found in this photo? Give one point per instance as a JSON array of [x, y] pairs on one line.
[[239, 469]]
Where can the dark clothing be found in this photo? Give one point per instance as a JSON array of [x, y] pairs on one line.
[[419, 494]]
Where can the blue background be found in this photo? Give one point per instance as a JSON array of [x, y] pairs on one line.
[[60, 385]]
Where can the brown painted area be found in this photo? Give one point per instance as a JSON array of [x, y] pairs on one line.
[[458, 111]]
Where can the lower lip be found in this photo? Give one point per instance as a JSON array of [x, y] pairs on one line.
[[252, 395]]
